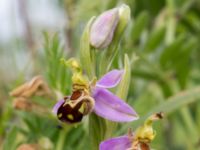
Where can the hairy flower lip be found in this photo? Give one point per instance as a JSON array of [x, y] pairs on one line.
[[69, 114], [72, 109]]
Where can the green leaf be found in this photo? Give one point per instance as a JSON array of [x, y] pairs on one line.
[[170, 58], [171, 52], [139, 25], [176, 102], [123, 87], [182, 65], [155, 39], [10, 142], [169, 105], [56, 73]]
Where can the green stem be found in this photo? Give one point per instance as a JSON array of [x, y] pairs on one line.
[[93, 62], [189, 123], [171, 23], [97, 128], [61, 139], [107, 57]]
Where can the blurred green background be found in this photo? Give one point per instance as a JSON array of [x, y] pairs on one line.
[[164, 34]]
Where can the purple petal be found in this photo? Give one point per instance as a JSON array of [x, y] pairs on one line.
[[57, 105], [111, 79], [109, 106], [119, 143]]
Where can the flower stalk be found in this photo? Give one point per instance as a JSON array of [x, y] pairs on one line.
[[85, 50]]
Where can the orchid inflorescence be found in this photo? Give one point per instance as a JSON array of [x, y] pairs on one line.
[[90, 95]]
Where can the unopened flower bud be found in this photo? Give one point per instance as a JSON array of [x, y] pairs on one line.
[[109, 24], [103, 28]]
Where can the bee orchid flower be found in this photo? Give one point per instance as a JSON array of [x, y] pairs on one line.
[[139, 140], [94, 97]]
